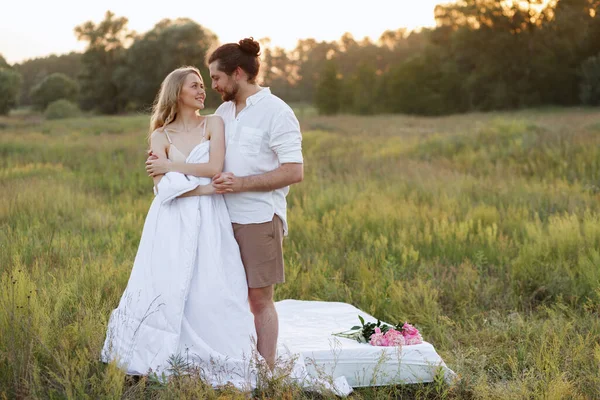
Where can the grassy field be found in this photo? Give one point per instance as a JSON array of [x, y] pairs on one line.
[[483, 230]]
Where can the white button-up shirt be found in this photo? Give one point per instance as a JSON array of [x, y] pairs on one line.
[[264, 135]]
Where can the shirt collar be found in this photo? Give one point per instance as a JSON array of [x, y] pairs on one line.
[[258, 96]]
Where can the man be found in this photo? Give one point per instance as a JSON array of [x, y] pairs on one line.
[[263, 157]]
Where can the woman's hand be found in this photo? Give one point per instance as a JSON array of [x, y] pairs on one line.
[[209, 189], [202, 190], [156, 165]]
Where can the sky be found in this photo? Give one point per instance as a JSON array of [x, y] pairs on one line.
[[39, 28]]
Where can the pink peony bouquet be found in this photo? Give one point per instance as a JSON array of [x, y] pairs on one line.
[[380, 334], [390, 338]]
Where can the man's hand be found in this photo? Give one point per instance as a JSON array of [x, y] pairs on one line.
[[151, 156], [156, 165], [226, 182]]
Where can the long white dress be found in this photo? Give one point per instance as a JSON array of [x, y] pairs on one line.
[[187, 295]]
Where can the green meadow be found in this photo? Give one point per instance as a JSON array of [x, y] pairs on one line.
[[483, 230]]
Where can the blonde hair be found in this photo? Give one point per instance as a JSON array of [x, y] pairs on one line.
[[165, 108]]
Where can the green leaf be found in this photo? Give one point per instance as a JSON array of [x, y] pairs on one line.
[[362, 320], [355, 327]]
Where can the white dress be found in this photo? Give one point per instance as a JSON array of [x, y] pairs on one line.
[[187, 296]]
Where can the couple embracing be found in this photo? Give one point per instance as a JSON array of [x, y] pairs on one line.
[[201, 287]]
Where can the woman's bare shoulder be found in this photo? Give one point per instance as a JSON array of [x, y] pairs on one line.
[[158, 142], [214, 119], [158, 136]]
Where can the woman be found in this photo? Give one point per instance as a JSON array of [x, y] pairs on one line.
[[187, 296]]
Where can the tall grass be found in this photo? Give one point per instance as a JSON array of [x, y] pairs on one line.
[[483, 230]]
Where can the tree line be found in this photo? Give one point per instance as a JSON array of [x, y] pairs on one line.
[[482, 55]]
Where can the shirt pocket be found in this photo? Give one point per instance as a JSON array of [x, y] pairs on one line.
[[250, 140]]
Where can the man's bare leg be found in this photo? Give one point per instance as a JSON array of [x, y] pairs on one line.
[[265, 321]]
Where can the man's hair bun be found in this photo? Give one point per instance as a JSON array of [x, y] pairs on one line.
[[250, 46]]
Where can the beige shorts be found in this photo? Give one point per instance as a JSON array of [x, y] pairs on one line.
[[261, 247]]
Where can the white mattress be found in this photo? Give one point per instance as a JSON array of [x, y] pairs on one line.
[[306, 327]]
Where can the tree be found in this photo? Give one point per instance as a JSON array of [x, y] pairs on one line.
[[571, 37], [364, 85], [103, 86], [10, 82], [3, 63], [590, 81], [169, 45], [311, 57], [36, 69], [61, 109], [427, 84], [482, 55], [54, 87], [279, 72], [328, 91]]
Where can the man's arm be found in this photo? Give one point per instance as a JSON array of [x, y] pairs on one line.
[[287, 174]]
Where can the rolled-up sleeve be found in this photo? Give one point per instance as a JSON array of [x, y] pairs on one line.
[[286, 138]]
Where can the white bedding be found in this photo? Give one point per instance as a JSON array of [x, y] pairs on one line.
[[306, 327]]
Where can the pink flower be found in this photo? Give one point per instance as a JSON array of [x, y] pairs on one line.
[[410, 330], [411, 334], [378, 339], [394, 338]]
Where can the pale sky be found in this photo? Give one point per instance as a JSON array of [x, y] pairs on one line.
[[40, 27]]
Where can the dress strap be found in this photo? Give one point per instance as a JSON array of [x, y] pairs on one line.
[[168, 137], [204, 128]]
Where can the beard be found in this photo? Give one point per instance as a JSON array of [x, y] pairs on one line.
[[229, 95]]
